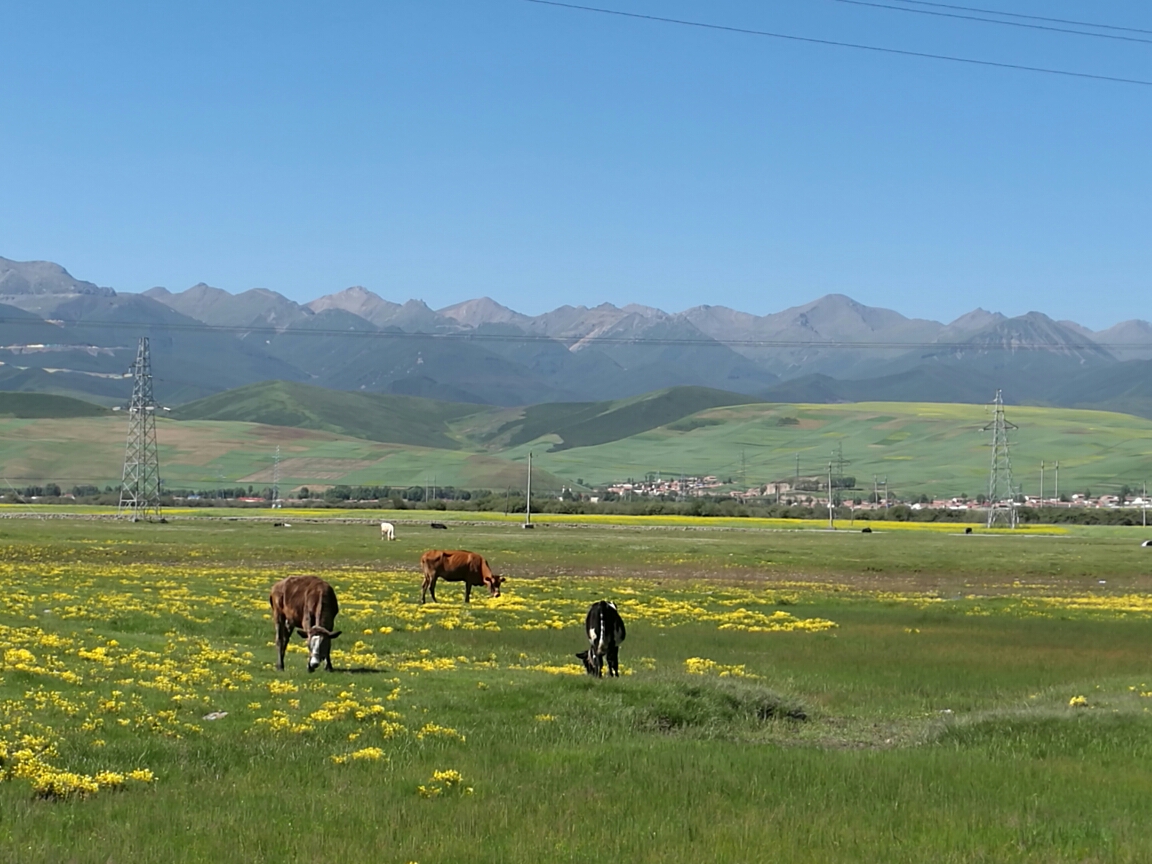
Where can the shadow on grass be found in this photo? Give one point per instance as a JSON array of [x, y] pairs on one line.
[[358, 670]]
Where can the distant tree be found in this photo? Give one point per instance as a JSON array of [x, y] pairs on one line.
[[338, 493]]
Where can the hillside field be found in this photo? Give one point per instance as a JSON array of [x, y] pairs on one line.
[[937, 449], [907, 696], [922, 448]]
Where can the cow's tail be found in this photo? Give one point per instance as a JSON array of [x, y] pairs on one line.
[[602, 625]]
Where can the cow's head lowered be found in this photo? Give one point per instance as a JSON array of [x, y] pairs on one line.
[[493, 582], [319, 645], [593, 664]]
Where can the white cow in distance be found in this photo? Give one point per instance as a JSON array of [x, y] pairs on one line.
[[387, 531]]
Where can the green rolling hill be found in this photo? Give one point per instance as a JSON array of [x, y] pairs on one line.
[[922, 448], [330, 437], [417, 421], [36, 405], [586, 424], [376, 417]]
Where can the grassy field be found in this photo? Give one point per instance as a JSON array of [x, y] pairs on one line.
[[921, 448], [205, 454], [909, 695]]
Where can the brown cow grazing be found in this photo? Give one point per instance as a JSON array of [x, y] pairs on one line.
[[457, 566], [308, 605]]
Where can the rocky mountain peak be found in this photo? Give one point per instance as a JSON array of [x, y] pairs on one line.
[[359, 301], [483, 310]]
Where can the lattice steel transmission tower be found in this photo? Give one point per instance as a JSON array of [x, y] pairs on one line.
[[276, 479], [1001, 507], [140, 486]]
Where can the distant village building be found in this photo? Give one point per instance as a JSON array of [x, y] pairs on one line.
[[679, 486]]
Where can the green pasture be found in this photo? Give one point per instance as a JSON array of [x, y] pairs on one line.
[[920, 448], [209, 454], [932, 722], [937, 449]]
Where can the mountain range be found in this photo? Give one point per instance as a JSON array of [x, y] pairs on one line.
[[63, 335]]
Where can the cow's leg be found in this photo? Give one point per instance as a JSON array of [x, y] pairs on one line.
[[467, 592], [283, 634], [614, 661], [429, 587]]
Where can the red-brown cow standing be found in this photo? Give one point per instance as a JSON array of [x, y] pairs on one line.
[[457, 565], [308, 605]]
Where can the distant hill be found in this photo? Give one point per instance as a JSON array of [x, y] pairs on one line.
[[373, 416], [924, 383], [931, 448], [1128, 340], [398, 419], [1125, 387], [588, 424], [44, 405]]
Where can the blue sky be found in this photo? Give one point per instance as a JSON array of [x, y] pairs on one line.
[[445, 150]]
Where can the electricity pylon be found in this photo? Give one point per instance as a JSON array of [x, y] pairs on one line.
[[1001, 508], [276, 479], [140, 485]]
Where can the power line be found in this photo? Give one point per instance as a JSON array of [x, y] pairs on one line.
[[583, 340], [995, 21], [1017, 67], [1028, 17]]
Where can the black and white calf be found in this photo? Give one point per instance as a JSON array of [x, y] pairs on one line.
[[605, 629]]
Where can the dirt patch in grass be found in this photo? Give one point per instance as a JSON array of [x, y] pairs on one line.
[[286, 433]]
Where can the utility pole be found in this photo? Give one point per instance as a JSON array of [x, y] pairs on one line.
[[140, 483], [1041, 482], [1056, 494], [1144, 505], [528, 496], [743, 471], [796, 485], [1000, 475]]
